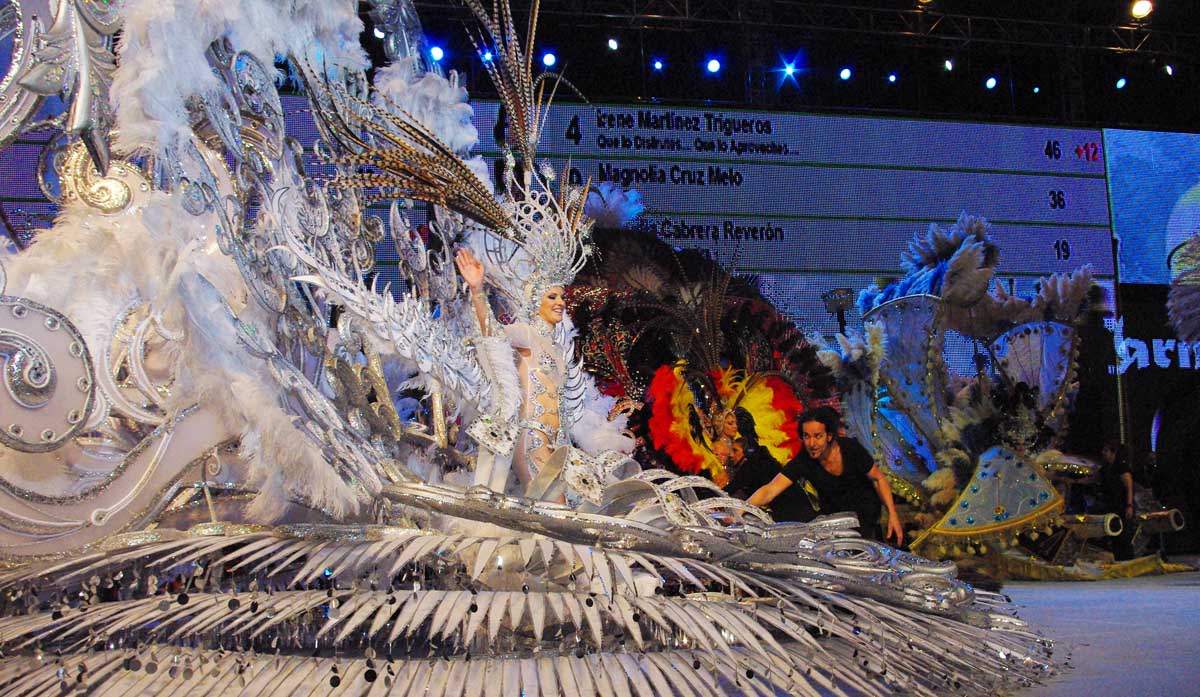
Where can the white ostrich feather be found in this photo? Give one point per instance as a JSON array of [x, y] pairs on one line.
[[90, 267], [498, 359], [438, 103], [592, 431], [612, 206], [161, 55]]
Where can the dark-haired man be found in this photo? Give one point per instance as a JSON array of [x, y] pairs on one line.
[[843, 473]]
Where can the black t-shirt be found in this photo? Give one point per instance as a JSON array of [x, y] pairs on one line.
[[851, 491], [1112, 490], [758, 470]]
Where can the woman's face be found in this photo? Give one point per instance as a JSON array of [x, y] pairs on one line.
[[553, 306], [729, 427]]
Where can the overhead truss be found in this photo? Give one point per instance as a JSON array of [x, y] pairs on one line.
[[920, 25]]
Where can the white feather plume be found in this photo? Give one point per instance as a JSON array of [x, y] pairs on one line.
[[592, 431], [91, 266], [438, 103], [162, 64], [496, 356]]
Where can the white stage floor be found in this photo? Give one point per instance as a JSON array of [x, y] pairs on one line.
[[1125, 638]]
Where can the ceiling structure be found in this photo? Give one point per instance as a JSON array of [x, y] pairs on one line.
[[1073, 52]]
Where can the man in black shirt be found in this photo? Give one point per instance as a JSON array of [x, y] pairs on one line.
[[1116, 496], [843, 473]]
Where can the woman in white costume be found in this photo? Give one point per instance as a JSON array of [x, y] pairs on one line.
[[542, 366]]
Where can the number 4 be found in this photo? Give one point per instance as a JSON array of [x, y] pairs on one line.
[[573, 133]]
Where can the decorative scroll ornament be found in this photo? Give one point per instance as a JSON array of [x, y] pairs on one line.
[[73, 58], [109, 193], [48, 390]]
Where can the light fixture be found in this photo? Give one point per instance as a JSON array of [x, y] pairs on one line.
[[613, 45], [1121, 83], [1169, 69], [892, 77], [845, 73], [789, 70], [714, 66], [487, 56], [990, 83], [1036, 89], [658, 65], [436, 53], [1141, 9], [549, 59], [948, 65]]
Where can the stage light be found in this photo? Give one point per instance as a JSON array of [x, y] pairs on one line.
[[990, 83], [613, 45], [1169, 69], [1037, 89], [714, 66], [892, 77], [487, 56], [789, 70], [658, 65], [379, 33], [845, 74], [1141, 9], [1121, 83], [436, 53], [948, 65], [549, 59]]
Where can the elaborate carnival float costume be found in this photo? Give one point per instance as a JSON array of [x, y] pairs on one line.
[[184, 394], [973, 456]]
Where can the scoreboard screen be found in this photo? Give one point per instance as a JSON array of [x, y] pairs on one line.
[[809, 202], [812, 203]]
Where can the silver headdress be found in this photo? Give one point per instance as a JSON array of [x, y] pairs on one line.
[[553, 244]]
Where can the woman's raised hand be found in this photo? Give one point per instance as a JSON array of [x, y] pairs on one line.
[[470, 268]]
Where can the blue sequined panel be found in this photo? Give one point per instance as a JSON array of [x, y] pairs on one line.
[[1004, 488], [912, 370]]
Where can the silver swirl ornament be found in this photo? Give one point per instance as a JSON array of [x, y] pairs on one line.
[[21, 22], [48, 390], [71, 57]]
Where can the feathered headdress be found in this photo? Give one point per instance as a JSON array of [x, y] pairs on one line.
[[538, 238], [552, 230]]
